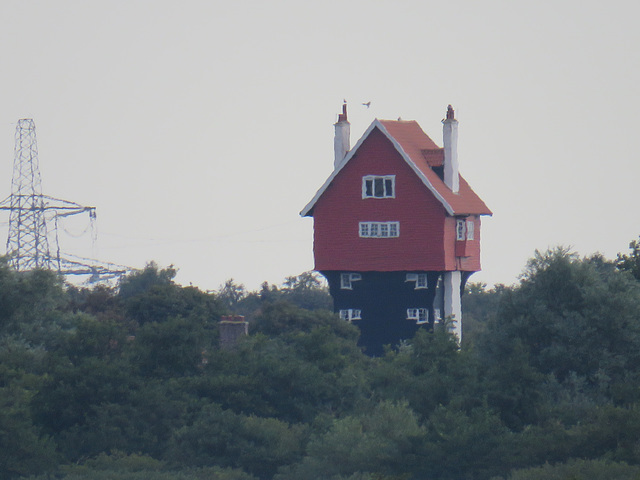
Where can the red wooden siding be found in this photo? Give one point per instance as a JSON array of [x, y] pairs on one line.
[[337, 244]]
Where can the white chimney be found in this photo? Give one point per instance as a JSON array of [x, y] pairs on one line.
[[450, 140], [341, 139]]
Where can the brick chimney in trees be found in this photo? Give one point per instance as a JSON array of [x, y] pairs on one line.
[[341, 138], [450, 141], [232, 329]]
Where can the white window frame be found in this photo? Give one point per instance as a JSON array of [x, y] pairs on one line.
[[461, 229], [379, 229], [420, 279], [470, 225], [420, 315], [346, 280], [385, 186], [350, 314]]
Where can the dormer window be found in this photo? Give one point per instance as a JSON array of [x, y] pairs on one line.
[[374, 186]]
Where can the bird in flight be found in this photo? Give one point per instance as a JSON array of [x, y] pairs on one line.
[[367, 104]]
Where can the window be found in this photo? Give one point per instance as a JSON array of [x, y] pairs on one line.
[[460, 229], [347, 278], [379, 229], [419, 278], [470, 228], [350, 314], [378, 186], [420, 315]]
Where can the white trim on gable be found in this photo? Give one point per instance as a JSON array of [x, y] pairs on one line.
[[377, 124]]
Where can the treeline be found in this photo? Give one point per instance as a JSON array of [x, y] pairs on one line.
[[129, 383]]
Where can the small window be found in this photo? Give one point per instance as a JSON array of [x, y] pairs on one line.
[[350, 314], [346, 280], [420, 315], [419, 278], [374, 186], [379, 229], [470, 228], [460, 229]]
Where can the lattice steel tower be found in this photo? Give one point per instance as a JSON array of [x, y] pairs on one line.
[[27, 243], [33, 218]]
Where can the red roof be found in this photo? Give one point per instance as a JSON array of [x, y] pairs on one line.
[[421, 154]]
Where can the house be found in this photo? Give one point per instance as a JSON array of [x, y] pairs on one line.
[[396, 230]]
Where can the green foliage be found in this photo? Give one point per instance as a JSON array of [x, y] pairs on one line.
[[306, 290], [23, 450], [579, 470], [119, 466], [221, 437], [568, 319], [630, 262], [231, 293], [150, 295], [130, 383], [479, 305], [381, 442], [313, 366]]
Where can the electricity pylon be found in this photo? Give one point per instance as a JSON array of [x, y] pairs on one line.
[[32, 213]]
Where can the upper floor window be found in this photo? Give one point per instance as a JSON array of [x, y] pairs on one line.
[[464, 229], [419, 278], [470, 227], [346, 280], [379, 229], [461, 229], [374, 186]]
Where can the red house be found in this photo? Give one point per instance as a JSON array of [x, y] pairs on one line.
[[396, 229]]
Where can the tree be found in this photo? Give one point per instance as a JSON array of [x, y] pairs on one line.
[[568, 319], [630, 262], [382, 442], [23, 449], [224, 438], [579, 470], [231, 293]]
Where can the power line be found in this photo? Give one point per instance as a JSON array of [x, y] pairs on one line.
[[34, 218]]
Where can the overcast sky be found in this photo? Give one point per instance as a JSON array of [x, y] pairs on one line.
[[199, 129]]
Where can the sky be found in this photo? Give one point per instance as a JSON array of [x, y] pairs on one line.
[[199, 129]]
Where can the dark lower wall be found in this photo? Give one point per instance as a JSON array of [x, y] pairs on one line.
[[383, 298]]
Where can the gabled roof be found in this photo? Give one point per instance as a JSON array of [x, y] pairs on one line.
[[421, 154]]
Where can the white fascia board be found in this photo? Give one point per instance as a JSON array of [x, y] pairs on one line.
[[376, 123], [417, 171]]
